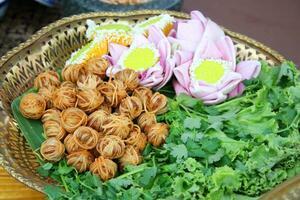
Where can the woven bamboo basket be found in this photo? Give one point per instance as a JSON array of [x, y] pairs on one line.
[[49, 48]]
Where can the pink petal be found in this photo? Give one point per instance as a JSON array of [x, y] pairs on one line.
[[212, 31], [164, 48], [168, 72], [185, 45], [116, 52], [237, 90], [152, 77], [155, 35], [200, 90], [207, 49], [152, 80], [172, 33], [139, 40], [225, 45], [229, 82], [182, 74], [191, 31], [109, 58], [249, 69], [182, 57], [197, 15], [179, 89], [215, 98]]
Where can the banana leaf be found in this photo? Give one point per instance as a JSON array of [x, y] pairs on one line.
[[31, 129]]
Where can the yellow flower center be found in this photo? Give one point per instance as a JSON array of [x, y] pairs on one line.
[[140, 59], [209, 71]]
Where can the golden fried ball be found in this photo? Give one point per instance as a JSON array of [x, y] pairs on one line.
[[80, 160], [106, 107], [47, 79], [89, 81], [143, 93], [32, 106], [97, 66], [113, 91], [68, 84], [86, 137], [65, 96], [97, 119], [157, 134], [145, 120], [129, 77], [73, 72], [71, 145], [119, 125], [89, 100], [136, 138], [104, 168], [131, 106], [131, 157], [54, 129], [51, 115], [52, 149], [158, 103], [111, 147], [47, 93], [72, 118]]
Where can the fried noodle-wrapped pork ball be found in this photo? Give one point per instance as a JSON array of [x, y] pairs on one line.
[[73, 72], [54, 129], [131, 157], [119, 125], [111, 147], [68, 84], [157, 134], [157, 104], [80, 160], [65, 97], [136, 138], [32, 106], [97, 119], [72, 118], [89, 100], [143, 93], [97, 66], [114, 91], [129, 77], [86, 137], [52, 149], [47, 93], [89, 81], [106, 107], [131, 106], [71, 145], [46, 79], [104, 168], [145, 120], [51, 115]]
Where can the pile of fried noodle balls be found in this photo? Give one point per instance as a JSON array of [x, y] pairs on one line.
[[97, 123]]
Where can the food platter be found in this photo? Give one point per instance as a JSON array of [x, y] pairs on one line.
[[49, 49]]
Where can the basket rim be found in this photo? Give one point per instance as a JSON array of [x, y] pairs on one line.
[[56, 24]]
